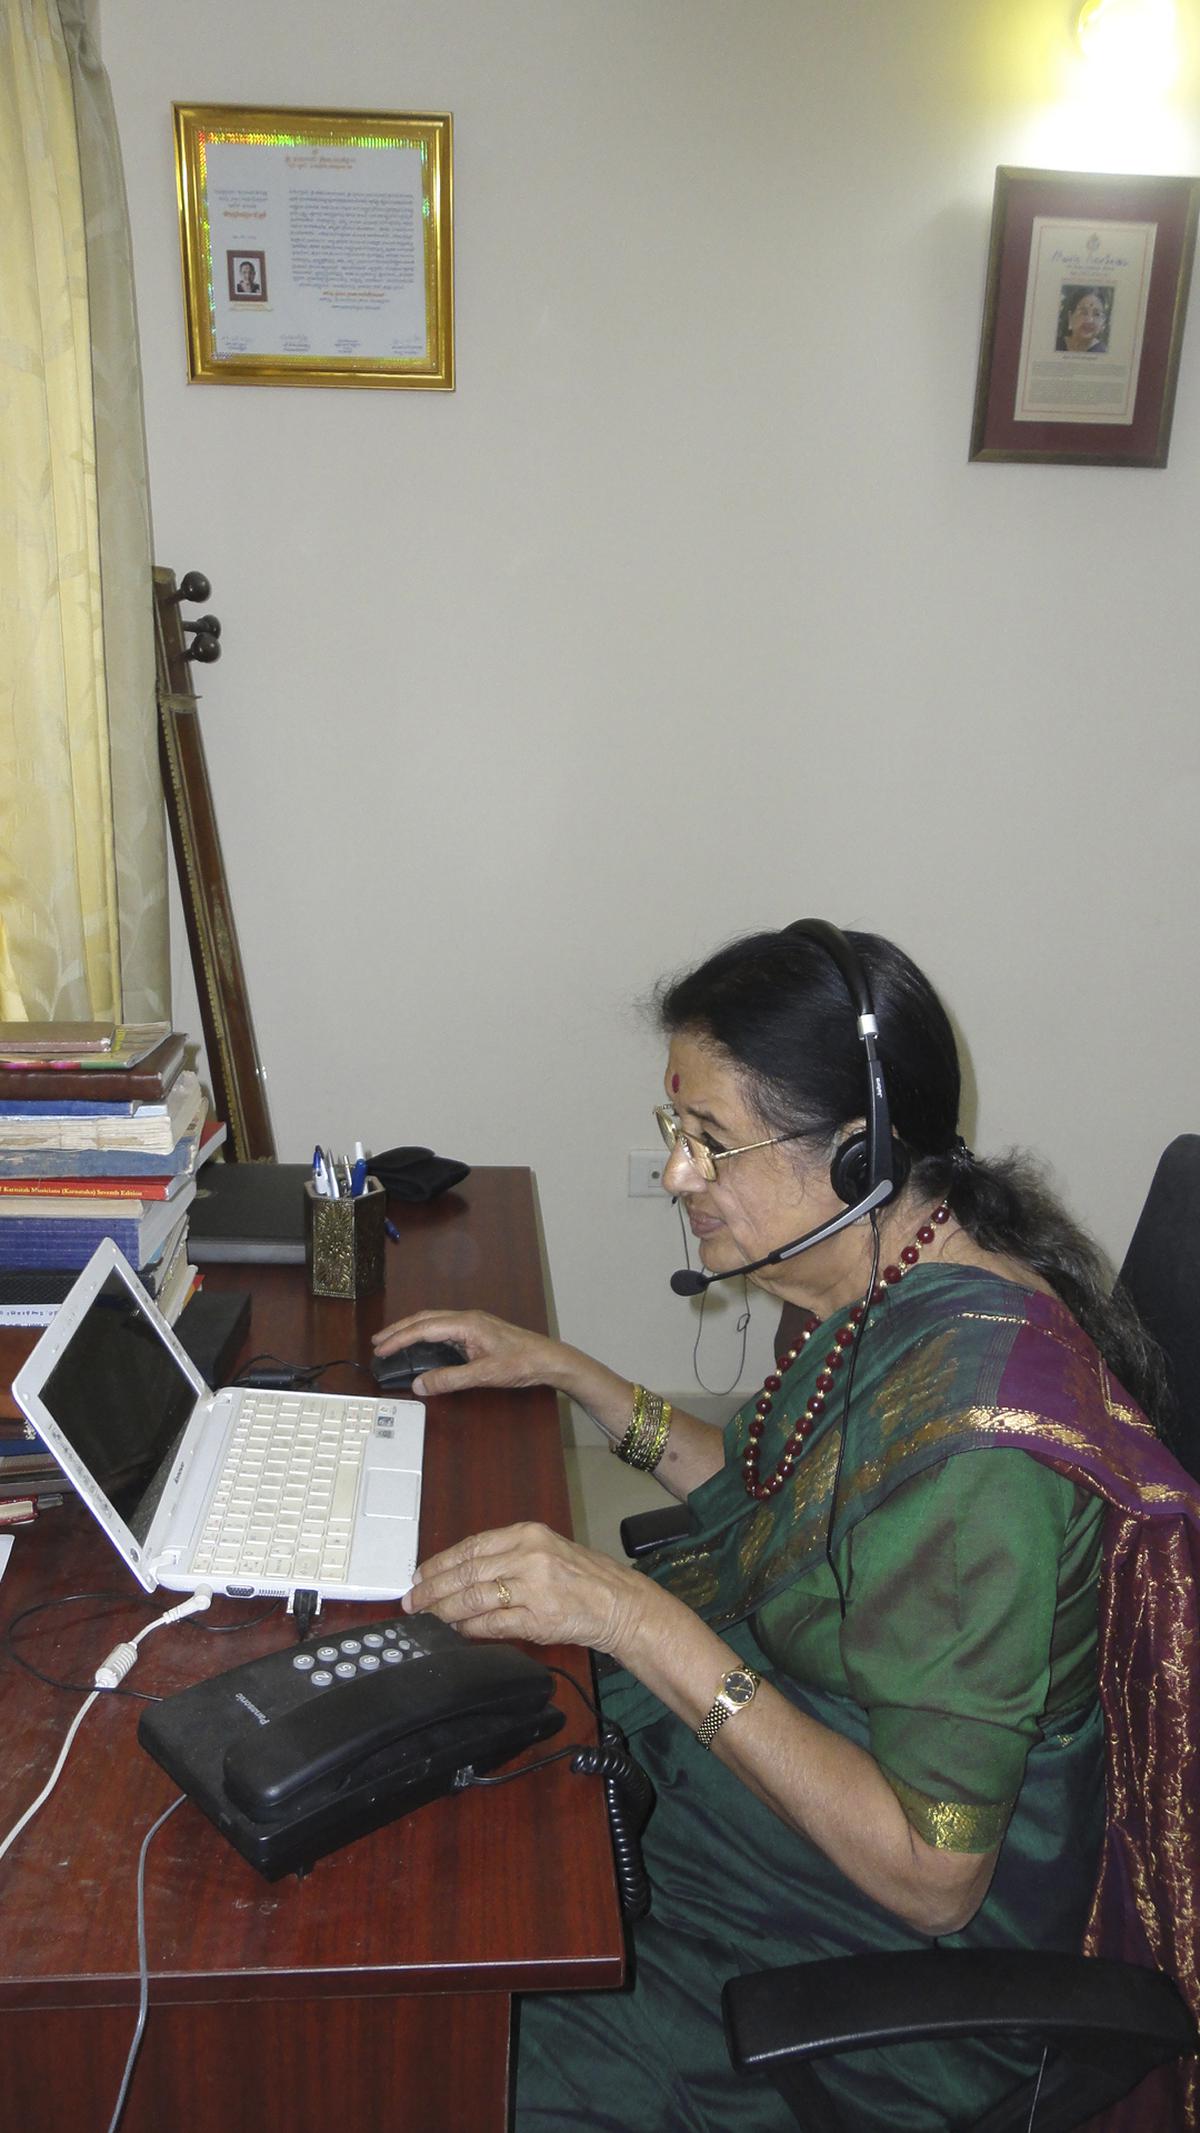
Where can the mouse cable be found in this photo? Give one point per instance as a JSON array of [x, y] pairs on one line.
[[286, 1377], [143, 1961], [108, 1676]]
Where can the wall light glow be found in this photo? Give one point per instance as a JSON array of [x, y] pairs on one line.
[[1130, 44], [1120, 91]]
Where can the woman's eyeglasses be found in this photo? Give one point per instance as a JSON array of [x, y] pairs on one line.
[[700, 1153]]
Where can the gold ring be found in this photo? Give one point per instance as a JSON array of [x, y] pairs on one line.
[[505, 1594]]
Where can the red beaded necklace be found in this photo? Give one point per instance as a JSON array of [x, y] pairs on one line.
[[843, 1340]]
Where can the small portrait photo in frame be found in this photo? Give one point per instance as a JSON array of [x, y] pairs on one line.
[[247, 272], [1084, 318], [1087, 285]]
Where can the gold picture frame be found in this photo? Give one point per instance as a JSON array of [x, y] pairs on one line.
[[317, 246]]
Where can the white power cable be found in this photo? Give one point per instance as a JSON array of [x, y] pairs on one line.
[[53, 1778], [122, 1656], [107, 1677]]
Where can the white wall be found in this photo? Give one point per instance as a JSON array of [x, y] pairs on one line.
[[685, 612]]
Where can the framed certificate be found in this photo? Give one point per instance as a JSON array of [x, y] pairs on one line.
[[317, 246], [1087, 289]]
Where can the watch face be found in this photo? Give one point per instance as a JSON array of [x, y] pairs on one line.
[[739, 1687]]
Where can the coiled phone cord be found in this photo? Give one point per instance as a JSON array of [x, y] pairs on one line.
[[629, 1797]]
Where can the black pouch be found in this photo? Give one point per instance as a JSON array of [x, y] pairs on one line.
[[416, 1174]]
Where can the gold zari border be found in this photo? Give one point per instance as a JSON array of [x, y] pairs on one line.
[[947, 1825]]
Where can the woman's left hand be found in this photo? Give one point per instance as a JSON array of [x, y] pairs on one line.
[[526, 1581]]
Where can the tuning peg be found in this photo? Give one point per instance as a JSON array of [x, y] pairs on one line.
[[205, 625], [193, 586], [203, 648]]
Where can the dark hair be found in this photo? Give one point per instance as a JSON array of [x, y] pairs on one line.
[[778, 1005]]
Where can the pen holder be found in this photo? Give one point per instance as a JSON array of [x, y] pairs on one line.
[[344, 1241]]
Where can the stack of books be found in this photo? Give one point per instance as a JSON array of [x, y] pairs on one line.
[[31, 1479], [102, 1130]]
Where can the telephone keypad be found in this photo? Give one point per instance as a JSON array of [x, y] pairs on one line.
[[364, 1654]]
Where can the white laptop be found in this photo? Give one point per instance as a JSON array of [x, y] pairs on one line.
[[241, 1492]]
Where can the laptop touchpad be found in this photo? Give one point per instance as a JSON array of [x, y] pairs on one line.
[[391, 1494]]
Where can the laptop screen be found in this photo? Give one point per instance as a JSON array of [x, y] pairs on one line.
[[119, 1396]]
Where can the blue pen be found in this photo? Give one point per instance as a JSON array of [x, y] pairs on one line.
[[390, 1229], [358, 1178]]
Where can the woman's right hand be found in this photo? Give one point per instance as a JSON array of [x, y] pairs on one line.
[[497, 1354]]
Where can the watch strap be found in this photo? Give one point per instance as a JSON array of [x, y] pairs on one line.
[[727, 1705]]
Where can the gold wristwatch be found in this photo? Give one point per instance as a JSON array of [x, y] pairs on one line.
[[736, 1691]]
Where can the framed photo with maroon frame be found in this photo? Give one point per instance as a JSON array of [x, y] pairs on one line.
[[1083, 317]]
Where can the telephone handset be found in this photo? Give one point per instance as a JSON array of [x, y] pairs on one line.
[[296, 1754], [387, 1722]]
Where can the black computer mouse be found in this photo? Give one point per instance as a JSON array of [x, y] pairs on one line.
[[396, 1372]]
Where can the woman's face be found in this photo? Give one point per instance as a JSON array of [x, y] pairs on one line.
[[758, 1200], [1087, 320]]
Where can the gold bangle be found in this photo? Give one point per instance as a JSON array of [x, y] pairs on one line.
[[659, 1444], [632, 1443], [644, 1441], [621, 1446]]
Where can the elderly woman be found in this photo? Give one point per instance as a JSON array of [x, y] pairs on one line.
[[1083, 328], [865, 1686]]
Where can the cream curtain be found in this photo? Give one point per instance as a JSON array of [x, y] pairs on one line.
[[139, 828], [82, 852]]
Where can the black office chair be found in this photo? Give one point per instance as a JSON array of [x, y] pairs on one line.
[[1101, 2026], [1161, 1277]]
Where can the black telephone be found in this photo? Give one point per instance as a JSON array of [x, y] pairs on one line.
[[296, 1754]]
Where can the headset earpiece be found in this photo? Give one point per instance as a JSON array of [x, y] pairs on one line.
[[850, 1170]]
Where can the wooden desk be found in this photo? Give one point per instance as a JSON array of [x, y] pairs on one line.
[[374, 1996]]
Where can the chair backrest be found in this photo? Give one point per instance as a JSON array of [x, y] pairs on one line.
[[1161, 1277]]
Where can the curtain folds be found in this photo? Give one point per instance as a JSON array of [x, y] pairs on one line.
[[82, 851], [126, 555]]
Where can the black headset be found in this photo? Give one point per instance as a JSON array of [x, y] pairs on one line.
[[869, 1168]]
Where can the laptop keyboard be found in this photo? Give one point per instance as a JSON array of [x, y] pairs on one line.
[[284, 1504]]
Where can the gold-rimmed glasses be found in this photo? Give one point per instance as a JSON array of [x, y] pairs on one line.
[[698, 1149]]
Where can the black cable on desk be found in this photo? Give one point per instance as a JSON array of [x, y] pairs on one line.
[[628, 1796]]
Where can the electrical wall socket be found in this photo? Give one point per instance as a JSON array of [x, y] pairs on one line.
[[645, 1174]]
